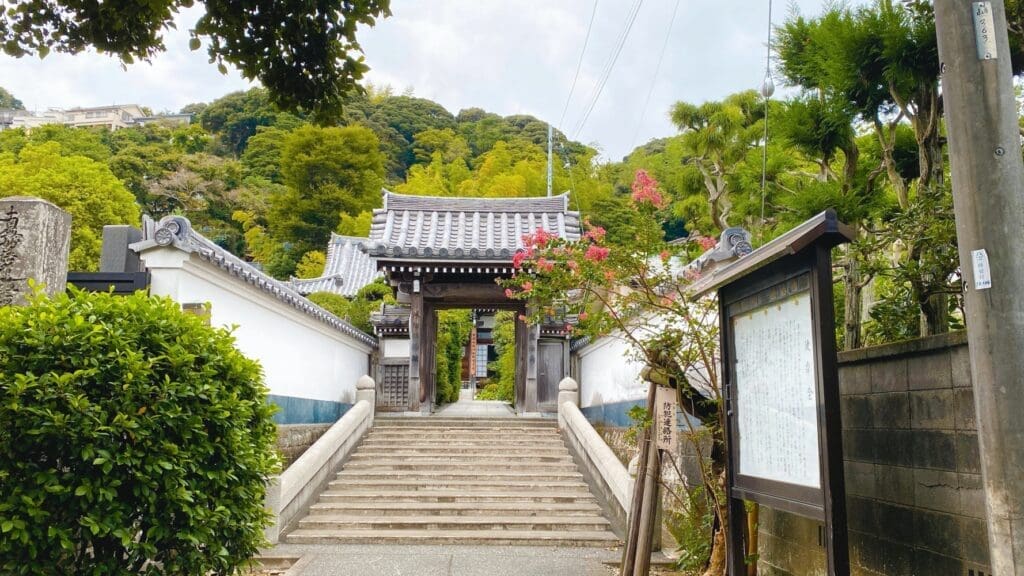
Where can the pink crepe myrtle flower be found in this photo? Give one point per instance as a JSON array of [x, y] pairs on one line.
[[665, 255], [509, 293], [596, 253], [527, 286], [596, 234], [584, 316], [645, 190], [517, 259], [545, 265]]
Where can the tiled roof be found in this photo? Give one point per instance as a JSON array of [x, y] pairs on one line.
[[177, 231], [347, 270], [391, 320], [460, 229]]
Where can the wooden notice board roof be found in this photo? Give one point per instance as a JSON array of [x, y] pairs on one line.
[[823, 226]]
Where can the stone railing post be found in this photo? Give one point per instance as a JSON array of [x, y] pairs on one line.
[[568, 391], [34, 239], [366, 389]]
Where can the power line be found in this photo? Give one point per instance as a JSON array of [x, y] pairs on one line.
[[607, 71], [579, 66], [654, 79]]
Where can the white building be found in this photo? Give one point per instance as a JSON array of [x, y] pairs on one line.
[[112, 117]]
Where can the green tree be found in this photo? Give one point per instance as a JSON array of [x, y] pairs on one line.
[[262, 156], [234, 118], [83, 187], [306, 55], [355, 225], [716, 138], [881, 61], [328, 171], [311, 265], [7, 100]]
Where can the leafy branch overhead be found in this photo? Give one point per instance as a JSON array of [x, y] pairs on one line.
[[306, 54]]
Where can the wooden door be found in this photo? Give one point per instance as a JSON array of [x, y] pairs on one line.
[[550, 371], [393, 395]]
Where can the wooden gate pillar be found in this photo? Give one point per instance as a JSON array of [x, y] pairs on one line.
[[415, 337]]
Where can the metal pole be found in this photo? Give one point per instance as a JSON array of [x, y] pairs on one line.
[[549, 159], [988, 197]]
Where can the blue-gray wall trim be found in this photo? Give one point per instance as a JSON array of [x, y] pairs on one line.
[[616, 415], [306, 410]]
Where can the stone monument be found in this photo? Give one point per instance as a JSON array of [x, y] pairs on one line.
[[35, 237]]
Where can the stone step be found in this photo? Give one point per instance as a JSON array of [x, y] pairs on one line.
[[429, 522], [482, 456], [597, 538], [465, 429], [494, 447], [433, 422], [431, 477], [417, 465], [509, 437], [528, 508], [456, 463], [467, 485], [482, 497]]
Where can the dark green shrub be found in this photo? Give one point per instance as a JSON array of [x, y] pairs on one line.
[[135, 440]]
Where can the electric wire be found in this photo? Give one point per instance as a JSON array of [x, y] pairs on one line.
[[579, 65], [654, 79], [608, 68]]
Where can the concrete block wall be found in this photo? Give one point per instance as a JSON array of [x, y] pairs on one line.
[[914, 496]]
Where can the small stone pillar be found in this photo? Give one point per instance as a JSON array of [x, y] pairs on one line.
[[35, 237], [568, 391], [366, 389]]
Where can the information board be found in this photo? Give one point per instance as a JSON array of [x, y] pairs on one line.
[[776, 392]]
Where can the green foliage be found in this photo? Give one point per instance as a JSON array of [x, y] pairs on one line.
[[690, 521], [306, 55], [311, 265], [356, 310], [453, 331], [504, 384], [237, 116], [358, 226], [84, 188], [328, 172], [7, 100], [334, 303], [136, 440]]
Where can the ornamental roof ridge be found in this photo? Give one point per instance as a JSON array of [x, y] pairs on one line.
[[177, 232]]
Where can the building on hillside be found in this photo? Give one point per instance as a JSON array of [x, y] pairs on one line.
[[347, 270], [112, 117]]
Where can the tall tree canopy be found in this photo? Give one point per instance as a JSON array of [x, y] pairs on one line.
[[83, 187], [7, 100], [306, 54]]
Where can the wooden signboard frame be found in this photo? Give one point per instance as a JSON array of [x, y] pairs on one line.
[[786, 270]]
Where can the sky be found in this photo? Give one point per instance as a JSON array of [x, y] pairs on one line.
[[505, 56]]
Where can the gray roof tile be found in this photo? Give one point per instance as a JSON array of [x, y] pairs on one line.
[[348, 269], [177, 231], [452, 228]]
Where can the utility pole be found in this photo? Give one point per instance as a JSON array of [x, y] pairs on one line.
[[549, 159], [988, 198]]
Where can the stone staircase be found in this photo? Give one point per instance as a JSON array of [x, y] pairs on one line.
[[437, 480]]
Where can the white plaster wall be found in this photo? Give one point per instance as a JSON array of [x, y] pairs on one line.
[[395, 347], [609, 374], [301, 356]]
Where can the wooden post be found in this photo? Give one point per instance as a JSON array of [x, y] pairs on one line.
[[415, 337], [629, 551]]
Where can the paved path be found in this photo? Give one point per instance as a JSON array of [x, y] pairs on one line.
[[467, 407], [361, 560]]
